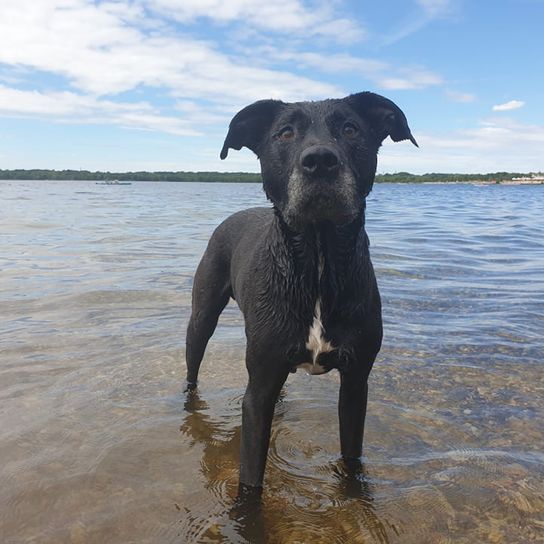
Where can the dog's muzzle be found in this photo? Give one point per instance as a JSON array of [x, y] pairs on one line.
[[321, 188]]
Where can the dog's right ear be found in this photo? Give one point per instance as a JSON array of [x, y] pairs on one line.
[[249, 125]]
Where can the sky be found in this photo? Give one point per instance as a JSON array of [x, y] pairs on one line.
[[127, 85]]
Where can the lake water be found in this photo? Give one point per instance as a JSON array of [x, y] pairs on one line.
[[98, 443]]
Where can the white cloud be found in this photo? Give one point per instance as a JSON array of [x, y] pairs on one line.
[[410, 78], [512, 105], [494, 145], [107, 48], [457, 96], [75, 108], [436, 8], [284, 16], [99, 53], [382, 74]]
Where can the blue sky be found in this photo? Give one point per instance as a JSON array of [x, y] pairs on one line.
[[152, 84]]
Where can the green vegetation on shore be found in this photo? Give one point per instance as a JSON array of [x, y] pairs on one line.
[[236, 177]]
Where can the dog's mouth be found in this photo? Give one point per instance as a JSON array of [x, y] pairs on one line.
[[316, 213], [333, 202], [323, 207]]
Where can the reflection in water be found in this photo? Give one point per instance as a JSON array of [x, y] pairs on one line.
[[95, 295], [245, 514], [242, 514], [354, 485]]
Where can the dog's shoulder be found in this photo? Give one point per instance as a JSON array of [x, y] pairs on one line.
[[248, 217], [240, 230], [242, 224]]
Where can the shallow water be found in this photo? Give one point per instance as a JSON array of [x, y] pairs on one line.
[[99, 444]]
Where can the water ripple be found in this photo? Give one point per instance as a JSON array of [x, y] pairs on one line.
[[98, 444]]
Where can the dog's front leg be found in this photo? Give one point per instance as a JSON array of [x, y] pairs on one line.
[[352, 412], [260, 397]]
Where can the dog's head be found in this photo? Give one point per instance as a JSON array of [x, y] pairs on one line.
[[318, 159]]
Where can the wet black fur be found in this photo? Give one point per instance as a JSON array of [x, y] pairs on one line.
[[268, 260]]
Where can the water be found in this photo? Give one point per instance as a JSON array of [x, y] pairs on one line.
[[98, 443]]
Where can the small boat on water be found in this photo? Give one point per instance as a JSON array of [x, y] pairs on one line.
[[113, 182]]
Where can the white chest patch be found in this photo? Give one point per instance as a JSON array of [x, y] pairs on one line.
[[316, 342]]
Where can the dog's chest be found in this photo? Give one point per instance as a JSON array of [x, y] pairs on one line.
[[316, 342]]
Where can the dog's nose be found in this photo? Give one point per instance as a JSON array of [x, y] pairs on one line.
[[319, 160]]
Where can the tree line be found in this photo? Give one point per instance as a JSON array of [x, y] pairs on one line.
[[77, 175], [234, 177]]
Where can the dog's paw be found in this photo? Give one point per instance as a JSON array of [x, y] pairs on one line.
[[190, 387]]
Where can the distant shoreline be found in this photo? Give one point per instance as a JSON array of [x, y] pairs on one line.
[[507, 178]]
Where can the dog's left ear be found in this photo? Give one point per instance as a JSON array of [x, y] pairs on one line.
[[249, 125], [384, 116]]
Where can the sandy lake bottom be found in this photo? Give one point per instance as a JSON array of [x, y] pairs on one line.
[[99, 444]]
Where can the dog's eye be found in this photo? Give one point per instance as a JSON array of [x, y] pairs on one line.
[[286, 133], [349, 130]]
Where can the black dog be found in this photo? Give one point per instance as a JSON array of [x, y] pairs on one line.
[[300, 271]]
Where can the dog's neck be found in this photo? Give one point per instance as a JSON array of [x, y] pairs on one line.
[[332, 242], [323, 251]]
